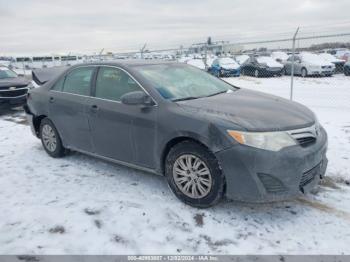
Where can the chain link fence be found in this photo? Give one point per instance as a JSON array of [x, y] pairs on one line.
[[285, 66]]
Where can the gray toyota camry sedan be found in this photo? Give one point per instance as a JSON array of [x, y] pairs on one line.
[[208, 138]]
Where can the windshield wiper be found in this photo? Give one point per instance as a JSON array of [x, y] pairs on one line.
[[185, 98], [218, 93]]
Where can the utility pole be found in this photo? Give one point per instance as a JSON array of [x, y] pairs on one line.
[[100, 54], [293, 61], [143, 50]]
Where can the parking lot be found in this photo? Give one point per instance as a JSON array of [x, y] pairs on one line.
[[81, 205]]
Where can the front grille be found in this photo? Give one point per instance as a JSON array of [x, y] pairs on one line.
[[5, 88], [271, 184], [306, 141], [305, 136], [13, 93], [326, 67], [309, 175]]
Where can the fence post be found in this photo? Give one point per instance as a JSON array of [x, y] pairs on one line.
[[292, 69], [205, 56]]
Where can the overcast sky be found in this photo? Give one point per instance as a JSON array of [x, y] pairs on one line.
[[37, 26]]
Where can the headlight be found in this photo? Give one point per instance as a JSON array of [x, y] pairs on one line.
[[273, 141], [30, 85]]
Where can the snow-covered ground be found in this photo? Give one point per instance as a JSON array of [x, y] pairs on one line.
[[81, 205]]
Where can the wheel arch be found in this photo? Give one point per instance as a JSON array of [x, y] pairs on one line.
[[306, 71], [36, 123], [174, 141]]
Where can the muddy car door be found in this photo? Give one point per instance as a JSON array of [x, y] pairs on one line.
[[67, 107]]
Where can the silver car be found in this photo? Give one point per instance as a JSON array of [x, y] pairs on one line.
[[308, 64]]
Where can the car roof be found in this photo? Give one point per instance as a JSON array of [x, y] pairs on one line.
[[127, 63]]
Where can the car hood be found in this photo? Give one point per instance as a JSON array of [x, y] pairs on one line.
[[252, 111], [18, 81], [230, 66]]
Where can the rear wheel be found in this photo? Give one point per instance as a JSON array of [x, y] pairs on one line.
[[347, 71], [256, 73], [283, 72], [303, 72], [194, 175], [50, 139]]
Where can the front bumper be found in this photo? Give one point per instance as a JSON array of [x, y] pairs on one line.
[[322, 72], [14, 97], [271, 71], [230, 72], [256, 175]]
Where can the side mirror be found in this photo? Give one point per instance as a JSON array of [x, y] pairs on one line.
[[137, 98]]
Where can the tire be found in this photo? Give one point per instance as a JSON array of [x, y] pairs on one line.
[[208, 193], [256, 73], [303, 72], [50, 139], [283, 72], [347, 71]]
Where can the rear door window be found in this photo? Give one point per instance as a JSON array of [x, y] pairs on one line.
[[78, 81]]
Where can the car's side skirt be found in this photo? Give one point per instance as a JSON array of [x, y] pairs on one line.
[[119, 162]]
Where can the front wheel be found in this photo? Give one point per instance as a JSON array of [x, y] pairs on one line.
[[194, 175], [50, 139]]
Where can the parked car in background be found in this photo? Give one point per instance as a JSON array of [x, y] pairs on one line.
[[241, 59], [225, 67], [340, 53], [262, 66], [280, 56], [5, 61], [309, 64], [210, 60], [347, 68], [207, 137], [197, 63], [13, 88], [338, 63]]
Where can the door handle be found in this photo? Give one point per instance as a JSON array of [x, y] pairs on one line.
[[51, 99], [94, 108]]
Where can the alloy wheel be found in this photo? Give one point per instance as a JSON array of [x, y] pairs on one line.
[[49, 138], [192, 176], [303, 72], [256, 73]]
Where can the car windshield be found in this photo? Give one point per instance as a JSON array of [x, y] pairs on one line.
[[227, 61], [312, 58], [328, 57], [265, 59], [7, 73], [180, 82]]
